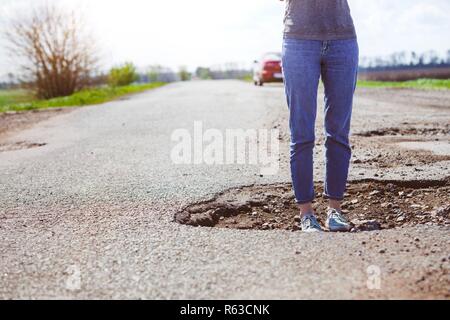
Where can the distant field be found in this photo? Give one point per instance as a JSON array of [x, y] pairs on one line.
[[9, 97], [415, 84], [21, 100], [406, 74]]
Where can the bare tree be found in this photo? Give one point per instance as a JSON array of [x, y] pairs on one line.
[[55, 52]]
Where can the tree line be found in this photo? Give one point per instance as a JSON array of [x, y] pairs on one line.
[[406, 60]]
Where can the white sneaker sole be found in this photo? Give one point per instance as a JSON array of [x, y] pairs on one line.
[[339, 229]]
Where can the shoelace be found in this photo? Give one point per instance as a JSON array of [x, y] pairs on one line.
[[309, 222], [336, 215]]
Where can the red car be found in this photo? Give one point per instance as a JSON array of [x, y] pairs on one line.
[[268, 69]]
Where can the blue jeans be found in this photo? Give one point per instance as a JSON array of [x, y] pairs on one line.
[[304, 62]]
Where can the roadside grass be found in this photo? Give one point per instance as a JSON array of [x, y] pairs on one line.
[[414, 84], [433, 84], [21, 100], [247, 78]]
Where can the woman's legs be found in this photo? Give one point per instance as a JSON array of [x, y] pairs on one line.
[[301, 66], [339, 75], [304, 61]]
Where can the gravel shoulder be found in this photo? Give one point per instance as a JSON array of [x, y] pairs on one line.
[[89, 214]]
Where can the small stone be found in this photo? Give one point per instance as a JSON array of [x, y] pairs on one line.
[[206, 219], [366, 225], [390, 186], [375, 192], [382, 251], [355, 201], [386, 205]]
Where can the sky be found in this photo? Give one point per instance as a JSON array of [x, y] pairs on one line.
[[211, 32]]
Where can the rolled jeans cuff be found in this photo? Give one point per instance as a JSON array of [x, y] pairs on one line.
[[304, 201], [330, 197]]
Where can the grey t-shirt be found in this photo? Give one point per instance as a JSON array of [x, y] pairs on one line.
[[318, 20]]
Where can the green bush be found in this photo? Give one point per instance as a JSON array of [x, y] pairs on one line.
[[184, 74], [123, 75]]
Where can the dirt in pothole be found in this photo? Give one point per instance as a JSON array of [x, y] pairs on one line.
[[369, 205]]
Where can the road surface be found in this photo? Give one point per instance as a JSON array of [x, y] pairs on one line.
[[90, 213]]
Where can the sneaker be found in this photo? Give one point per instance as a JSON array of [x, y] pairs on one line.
[[309, 223], [336, 222]]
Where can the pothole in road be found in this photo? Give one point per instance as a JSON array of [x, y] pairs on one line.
[[403, 146], [438, 148], [406, 131], [370, 205], [382, 154], [20, 145]]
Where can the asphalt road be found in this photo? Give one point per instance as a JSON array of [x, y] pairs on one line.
[[89, 215]]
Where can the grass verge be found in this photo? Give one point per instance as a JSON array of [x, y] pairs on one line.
[[414, 84], [20, 100], [429, 84], [247, 78]]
